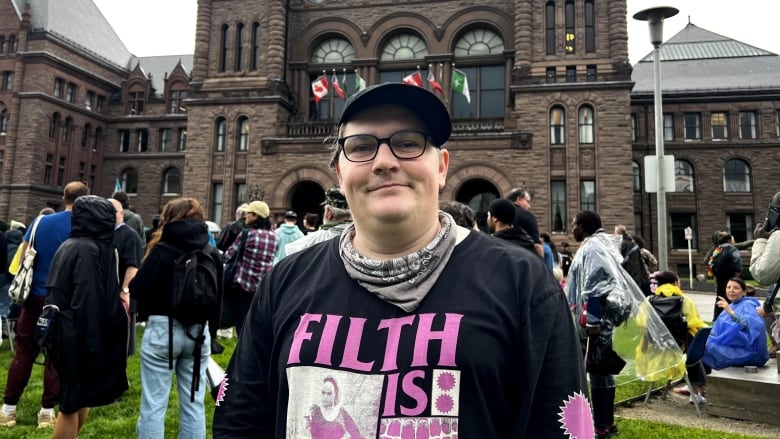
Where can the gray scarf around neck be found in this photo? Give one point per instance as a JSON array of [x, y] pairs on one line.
[[405, 281]]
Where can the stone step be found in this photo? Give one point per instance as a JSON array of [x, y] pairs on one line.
[[738, 394]]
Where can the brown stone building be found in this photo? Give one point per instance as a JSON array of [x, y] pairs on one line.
[[721, 109], [549, 106]]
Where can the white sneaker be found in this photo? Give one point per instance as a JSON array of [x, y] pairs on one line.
[[7, 419], [698, 398], [46, 418]]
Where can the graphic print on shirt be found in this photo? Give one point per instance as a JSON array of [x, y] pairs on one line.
[[396, 376]]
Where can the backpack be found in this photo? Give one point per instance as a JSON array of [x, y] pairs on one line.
[[722, 264], [635, 265], [670, 309], [196, 298]]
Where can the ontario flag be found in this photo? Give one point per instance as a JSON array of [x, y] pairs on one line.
[[434, 83], [319, 88], [414, 79], [335, 81]]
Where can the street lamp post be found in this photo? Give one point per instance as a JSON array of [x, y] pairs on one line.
[[655, 20]]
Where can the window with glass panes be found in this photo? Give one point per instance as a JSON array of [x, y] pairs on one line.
[[558, 206], [747, 124], [243, 134], [166, 139], [329, 54], [668, 126], [636, 176], [142, 139], [588, 195], [740, 226], [557, 126], [172, 181], [135, 102], [182, 136], [586, 124], [736, 176], [486, 81], [692, 126], [678, 222], [549, 27], [719, 125], [129, 181], [683, 176], [569, 37], [590, 27], [220, 134], [240, 195], [175, 100], [216, 206]]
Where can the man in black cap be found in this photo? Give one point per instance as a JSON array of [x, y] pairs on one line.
[[501, 214], [393, 312], [335, 219]]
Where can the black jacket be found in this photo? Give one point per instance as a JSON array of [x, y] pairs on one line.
[[517, 236], [152, 285], [83, 282]]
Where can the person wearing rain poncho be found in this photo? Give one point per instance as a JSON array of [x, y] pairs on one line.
[[602, 296], [666, 365]]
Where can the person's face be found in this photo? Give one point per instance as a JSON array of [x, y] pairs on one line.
[[328, 394], [577, 231], [120, 213], [388, 189], [524, 201], [491, 222], [734, 291], [250, 217]]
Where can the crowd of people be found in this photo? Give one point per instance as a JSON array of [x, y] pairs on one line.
[[373, 322]]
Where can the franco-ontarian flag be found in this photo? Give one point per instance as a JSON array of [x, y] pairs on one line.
[[460, 84]]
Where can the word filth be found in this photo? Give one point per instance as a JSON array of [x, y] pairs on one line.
[[350, 343]]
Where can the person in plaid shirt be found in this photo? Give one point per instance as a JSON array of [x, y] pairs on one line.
[[256, 260]]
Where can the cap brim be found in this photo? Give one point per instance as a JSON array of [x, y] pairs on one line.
[[424, 104]]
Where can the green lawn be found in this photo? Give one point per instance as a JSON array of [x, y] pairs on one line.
[[118, 420]]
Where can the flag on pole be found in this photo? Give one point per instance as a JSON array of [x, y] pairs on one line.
[[433, 82], [460, 84], [319, 88], [336, 86], [360, 83], [117, 185], [413, 79]]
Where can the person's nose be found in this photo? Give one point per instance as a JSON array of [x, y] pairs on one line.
[[385, 160]]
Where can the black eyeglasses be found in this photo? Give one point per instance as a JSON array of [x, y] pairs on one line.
[[364, 147]]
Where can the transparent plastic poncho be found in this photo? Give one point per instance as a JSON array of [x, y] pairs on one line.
[[642, 340]]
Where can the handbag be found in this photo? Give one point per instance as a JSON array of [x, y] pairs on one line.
[[21, 286], [232, 264]]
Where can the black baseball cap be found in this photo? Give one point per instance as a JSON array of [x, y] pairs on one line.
[[424, 104]]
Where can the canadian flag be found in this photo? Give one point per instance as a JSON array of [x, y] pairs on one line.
[[319, 88], [414, 79], [434, 83], [337, 87]]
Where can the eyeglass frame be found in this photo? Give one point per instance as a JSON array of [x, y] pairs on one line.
[[386, 140]]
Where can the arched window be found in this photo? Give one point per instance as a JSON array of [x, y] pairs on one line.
[[586, 124], [569, 37], [85, 135], [54, 125], [239, 60], [255, 58], [736, 176], [4, 121], [129, 180], [12, 44], [485, 83], [66, 130], [333, 51], [549, 28], [223, 47], [403, 47], [220, 134], [243, 134], [172, 181], [683, 176], [590, 27], [636, 176], [557, 126]]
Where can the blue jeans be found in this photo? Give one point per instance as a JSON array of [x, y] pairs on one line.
[[156, 379]]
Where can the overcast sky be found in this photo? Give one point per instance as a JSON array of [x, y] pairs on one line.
[[146, 28]]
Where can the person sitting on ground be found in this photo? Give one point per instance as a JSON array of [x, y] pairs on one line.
[[738, 336], [683, 322]]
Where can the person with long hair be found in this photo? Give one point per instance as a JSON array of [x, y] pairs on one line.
[[257, 258], [329, 419], [181, 226]]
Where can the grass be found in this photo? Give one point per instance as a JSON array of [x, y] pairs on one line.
[[118, 420]]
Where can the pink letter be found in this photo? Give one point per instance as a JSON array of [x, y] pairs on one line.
[[352, 346], [390, 392], [300, 335], [448, 337], [394, 327], [325, 351], [416, 393]]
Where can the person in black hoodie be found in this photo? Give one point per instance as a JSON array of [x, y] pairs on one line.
[[92, 323], [501, 214], [181, 226]]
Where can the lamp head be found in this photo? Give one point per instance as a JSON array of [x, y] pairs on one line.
[[655, 20]]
